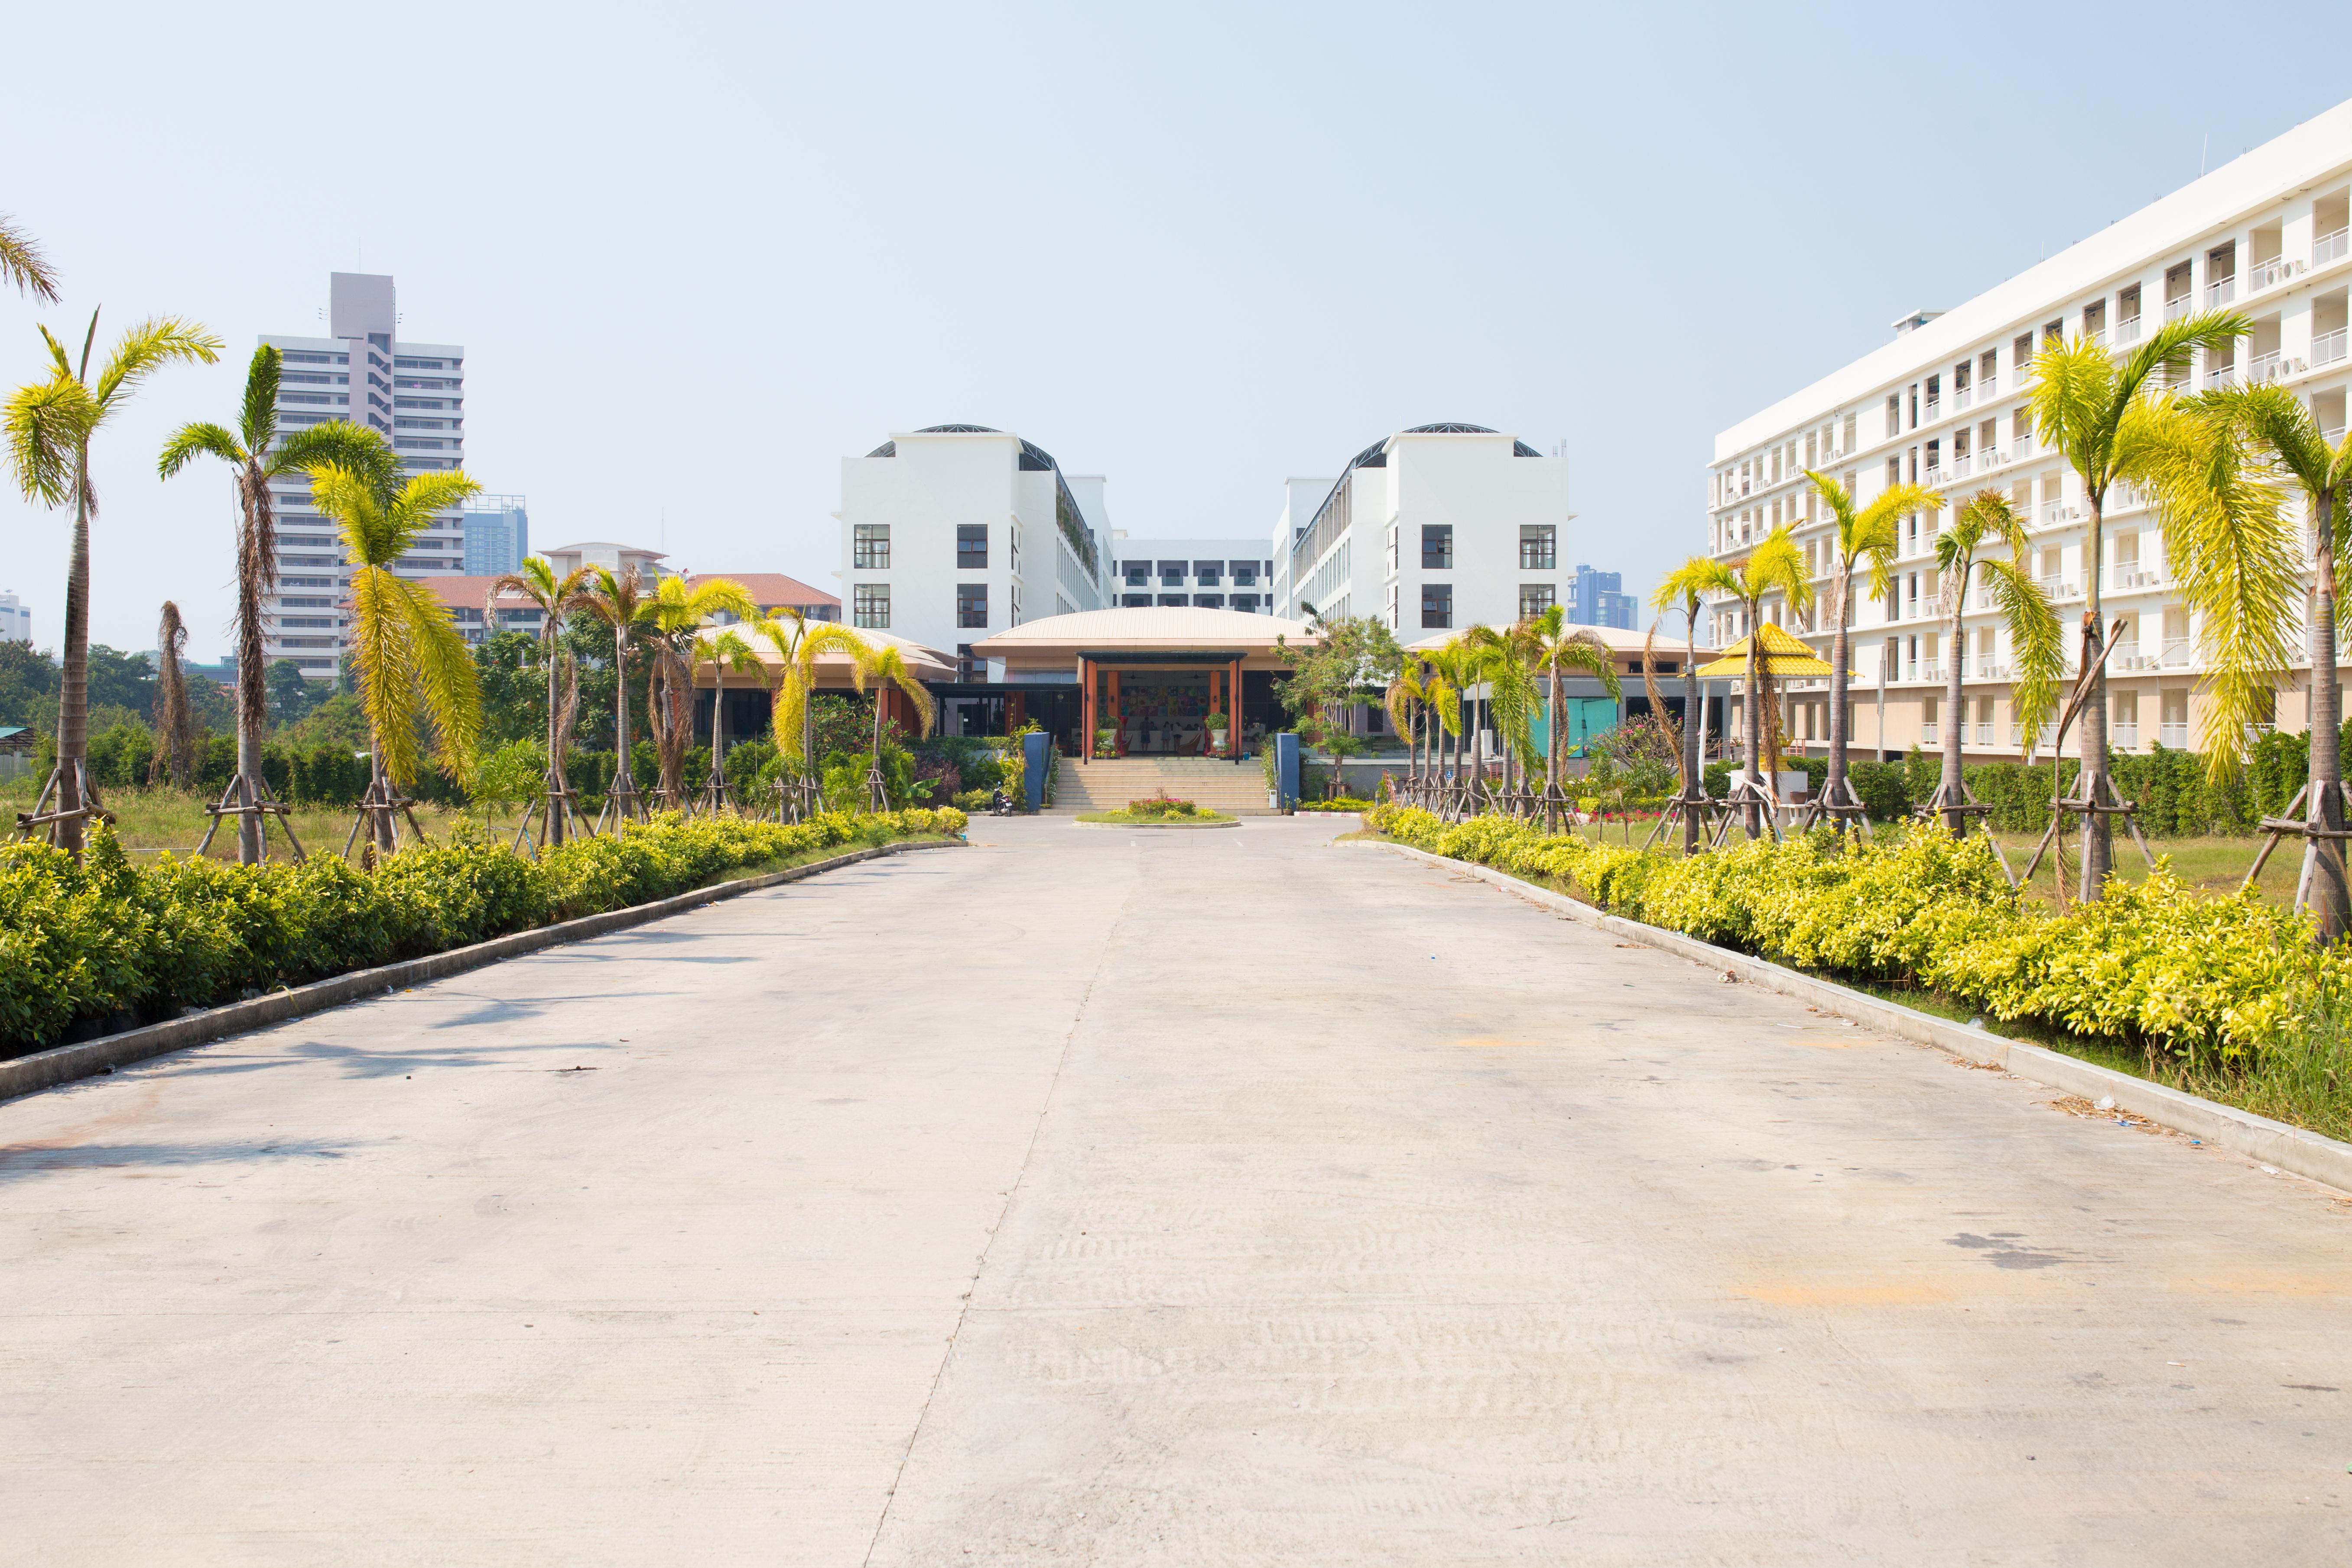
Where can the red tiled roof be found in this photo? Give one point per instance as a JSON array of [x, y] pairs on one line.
[[768, 589]]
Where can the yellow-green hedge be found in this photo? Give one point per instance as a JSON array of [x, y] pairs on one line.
[[110, 942], [2153, 962]]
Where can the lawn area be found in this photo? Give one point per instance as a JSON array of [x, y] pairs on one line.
[[153, 820]]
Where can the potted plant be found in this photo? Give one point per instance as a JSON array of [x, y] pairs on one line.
[[1106, 743], [1215, 723]]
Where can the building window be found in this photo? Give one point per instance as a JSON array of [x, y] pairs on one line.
[[1437, 549], [1208, 573], [1208, 601], [1172, 574], [1436, 605], [1539, 548], [870, 550], [971, 547], [1535, 598], [972, 604], [1244, 574], [1176, 599], [1246, 602], [1134, 601], [1139, 575], [871, 604]]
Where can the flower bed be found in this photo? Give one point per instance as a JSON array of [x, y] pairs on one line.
[[2154, 965], [108, 941]]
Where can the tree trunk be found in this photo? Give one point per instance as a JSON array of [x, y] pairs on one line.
[[2330, 897], [1551, 749], [1955, 820], [1753, 720], [1694, 726], [1840, 679], [73, 683], [2099, 835], [556, 786], [252, 687], [718, 737]]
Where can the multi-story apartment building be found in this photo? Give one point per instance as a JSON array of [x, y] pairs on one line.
[[1597, 598], [1438, 527], [1943, 405], [498, 534], [15, 619], [415, 394], [951, 532], [1215, 573]]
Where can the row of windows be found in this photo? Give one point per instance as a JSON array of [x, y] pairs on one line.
[[1206, 573], [1437, 603], [1248, 604], [869, 604], [296, 356], [427, 363], [1538, 547]]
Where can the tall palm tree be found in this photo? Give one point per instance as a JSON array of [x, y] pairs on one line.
[[2036, 646], [725, 651], [2227, 459], [1865, 537], [49, 424], [1455, 666], [801, 642], [1409, 699], [1686, 588], [175, 725], [259, 455], [535, 582], [887, 667], [411, 664], [21, 263], [1774, 567], [1554, 647], [677, 612], [2088, 407], [1503, 661], [621, 602]]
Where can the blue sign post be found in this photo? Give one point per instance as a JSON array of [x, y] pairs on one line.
[[1035, 758], [1285, 768]]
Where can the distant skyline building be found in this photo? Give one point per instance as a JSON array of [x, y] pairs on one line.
[[415, 394], [498, 535], [1599, 599], [15, 619]]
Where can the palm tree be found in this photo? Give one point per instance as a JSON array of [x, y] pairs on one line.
[[410, 661], [1774, 566], [801, 642], [1686, 587], [554, 597], [1455, 669], [51, 424], [2226, 458], [1409, 700], [258, 454], [620, 601], [677, 612], [2036, 646], [2088, 407], [1503, 660], [1554, 648], [1866, 537], [887, 667], [176, 726], [725, 651], [21, 263]]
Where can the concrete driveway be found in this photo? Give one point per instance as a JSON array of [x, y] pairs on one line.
[[1143, 1198]]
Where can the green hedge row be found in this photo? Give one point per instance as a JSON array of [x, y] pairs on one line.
[[107, 943], [2154, 965]]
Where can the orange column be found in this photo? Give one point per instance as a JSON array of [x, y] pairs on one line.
[[1086, 711], [1118, 725], [1234, 711]]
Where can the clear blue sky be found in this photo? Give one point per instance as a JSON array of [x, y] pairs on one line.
[[699, 254]]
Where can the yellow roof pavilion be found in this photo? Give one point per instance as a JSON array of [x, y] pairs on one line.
[[1783, 656]]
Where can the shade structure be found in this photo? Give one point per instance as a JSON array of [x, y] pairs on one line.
[[1780, 657]]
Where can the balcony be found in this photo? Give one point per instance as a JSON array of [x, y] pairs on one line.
[[2057, 588], [2330, 247], [1932, 412], [1984, 733], [1932, 673], [1989, 388], [2173, 736], [2123, 735], [2056, 513], [2277, 269], [1962, 396], [2131, 576], [2127, 330], [2326, 348], [2178, 306], [1987, 669], [2220, 375], [2273, 367], [2220, 292], [2175, 655], [1927, 736], [2126, 657]]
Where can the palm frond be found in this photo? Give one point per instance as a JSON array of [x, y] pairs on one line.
[[22, 263], [258, 421], [426, 494], [338, 441], [2037, 642], [199, 440], [384, 666], [1693, 581], [448, 686], [148, 348], [48, 422], [2237, 555]]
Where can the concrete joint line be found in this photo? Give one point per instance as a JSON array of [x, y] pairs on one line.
[[63, 1064], [2296, 1149]]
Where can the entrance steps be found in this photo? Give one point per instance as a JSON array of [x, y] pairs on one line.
[[1237, 789]]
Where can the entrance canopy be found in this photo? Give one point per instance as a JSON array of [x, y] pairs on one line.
[[1174, 634], [833, 669]]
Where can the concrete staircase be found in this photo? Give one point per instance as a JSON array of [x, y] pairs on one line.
[[1236, 789]]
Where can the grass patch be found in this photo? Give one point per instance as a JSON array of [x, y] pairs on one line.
[[1196, 818]]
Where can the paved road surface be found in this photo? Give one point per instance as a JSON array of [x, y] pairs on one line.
[[1121, 1198]]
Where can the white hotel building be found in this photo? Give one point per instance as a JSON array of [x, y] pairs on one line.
[[415, 394], [1943, 405]]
